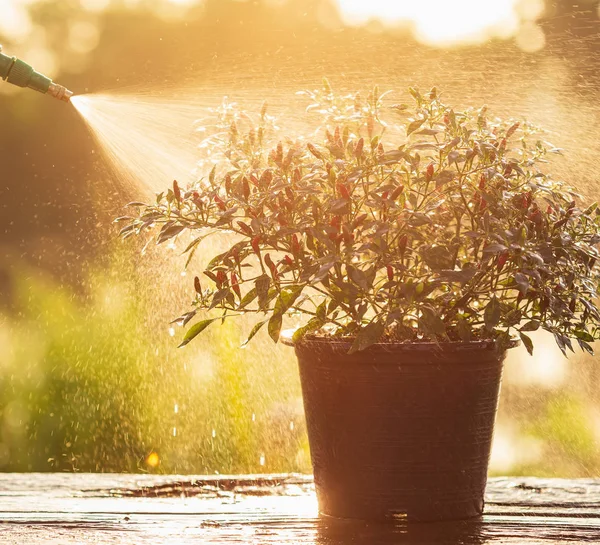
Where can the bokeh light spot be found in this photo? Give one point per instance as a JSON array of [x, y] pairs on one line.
[[153, 460], [531, 38]]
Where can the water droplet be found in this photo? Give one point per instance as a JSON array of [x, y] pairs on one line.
[[172, 332], [176, 408], [292, 426], [214, 433], [253, 417], [262, 460], [174, 432]]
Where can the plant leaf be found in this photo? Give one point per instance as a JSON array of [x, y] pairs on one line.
[[438, 258], [584, 336], [431, 323], [286, 299], [367, 336], [218, 298], [254, 331], [195, 330], [313, 325], [527, 342], [412, 127], [444, 177], [522, 282], [262, 284], [532, 325], [168, 231], [248, 298], [462, 276], [491, 314], [585, 346], [275, 326], [494, 248], [464, 331], [560, 342]]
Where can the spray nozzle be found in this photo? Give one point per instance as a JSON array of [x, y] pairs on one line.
[[19, 73]]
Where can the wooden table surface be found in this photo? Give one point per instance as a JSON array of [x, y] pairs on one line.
[[138, 509]]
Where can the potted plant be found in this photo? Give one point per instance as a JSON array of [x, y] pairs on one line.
[[415, 245]]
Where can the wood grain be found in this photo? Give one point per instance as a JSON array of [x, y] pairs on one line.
[[268, 509]]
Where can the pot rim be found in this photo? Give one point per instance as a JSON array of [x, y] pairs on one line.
[[407, 346]]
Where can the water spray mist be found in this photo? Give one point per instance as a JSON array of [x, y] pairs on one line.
[[19, 73]]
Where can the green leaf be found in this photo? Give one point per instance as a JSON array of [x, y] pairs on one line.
[[444, 177], [503, 341], [494, 248], [416, 94], [313, 325], [584, 336], [585, 346], [190, 256], [431, 323], [192, 244], [393, 157], [513, 317], [217, 260], [527, 342], [254, 331], [438, 258], [367, 336], [262, 284], [461, 277], [416, 124], [522, 282], [286, 299], [195, 330], [358, 277], [464, 331], [248, 298], [275, 326], [491, 314], [532, 325], [560, 341]]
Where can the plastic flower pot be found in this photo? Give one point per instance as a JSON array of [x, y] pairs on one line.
[[400, 430]]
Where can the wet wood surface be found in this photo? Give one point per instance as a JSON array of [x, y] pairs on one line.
[[139, 509]]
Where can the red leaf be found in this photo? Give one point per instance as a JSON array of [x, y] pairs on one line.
[[429, 171], [235, 285], [256, 244]]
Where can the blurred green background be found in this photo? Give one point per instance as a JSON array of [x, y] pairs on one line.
[[90, 377]]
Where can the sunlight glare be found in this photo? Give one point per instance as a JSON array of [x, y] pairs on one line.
[[184, 3], [15, 22], [439, 22]]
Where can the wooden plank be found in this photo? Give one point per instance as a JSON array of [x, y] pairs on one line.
[[127, 509]]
